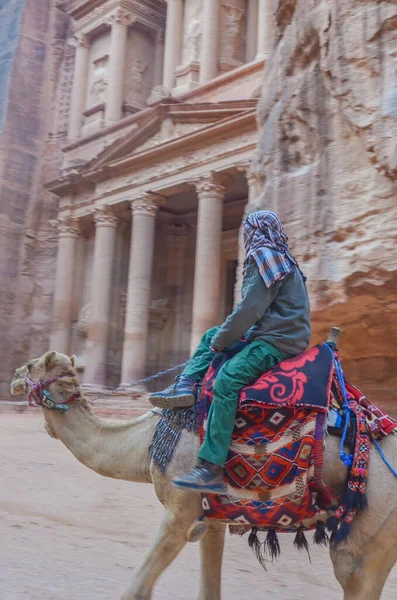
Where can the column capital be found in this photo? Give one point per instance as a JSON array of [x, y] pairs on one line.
[[243, 166], [82, 41], [211, 184], [104, 217], [68, 227], [148, 205], [254, 178], [121, 16], [159, 36]]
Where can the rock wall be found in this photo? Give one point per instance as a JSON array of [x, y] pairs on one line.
[[10, 22], [327, 152], [30, 154]]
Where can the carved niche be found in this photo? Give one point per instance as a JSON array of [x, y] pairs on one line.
[[232, 48], [187, 73], [138, 69]]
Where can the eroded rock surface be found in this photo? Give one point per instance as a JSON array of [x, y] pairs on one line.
[[327, 152]]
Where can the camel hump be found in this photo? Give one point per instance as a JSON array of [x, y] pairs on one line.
[[334, 336]]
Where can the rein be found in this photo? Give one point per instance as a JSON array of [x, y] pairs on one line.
[[38, 396]]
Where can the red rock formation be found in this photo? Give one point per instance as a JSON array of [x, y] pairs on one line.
[[328, 124], [35, 128]]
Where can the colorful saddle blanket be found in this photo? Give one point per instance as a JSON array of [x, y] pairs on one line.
[[273, 473]]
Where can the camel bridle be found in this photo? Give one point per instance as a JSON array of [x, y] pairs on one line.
[[39, 396]]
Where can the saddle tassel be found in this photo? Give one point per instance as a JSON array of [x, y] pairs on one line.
[[301, 543], [271, 544], [321, 537], [256, 546]]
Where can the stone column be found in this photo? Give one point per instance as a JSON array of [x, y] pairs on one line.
[[118, 46], [158, 58], [265, 28], [64, 281], [251, 30], [255, 187], [139, 284], [209, 44], [98, 327], [79, 89], [207, 274], [173, 41]]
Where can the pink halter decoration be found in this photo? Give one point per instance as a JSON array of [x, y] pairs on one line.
[[35, 395]]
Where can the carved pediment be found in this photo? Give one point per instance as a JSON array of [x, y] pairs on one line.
[[165, 123]]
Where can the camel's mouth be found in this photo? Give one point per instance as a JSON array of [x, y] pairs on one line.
[[18, 386]]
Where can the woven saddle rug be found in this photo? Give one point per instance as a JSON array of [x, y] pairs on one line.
[[273, 472]]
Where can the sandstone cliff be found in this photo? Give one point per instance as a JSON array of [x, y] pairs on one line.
[[35, 121], [327, 153]]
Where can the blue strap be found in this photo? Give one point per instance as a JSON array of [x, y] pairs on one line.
[[347, 459], [383, 457]]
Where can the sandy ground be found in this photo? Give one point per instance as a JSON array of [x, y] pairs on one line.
[[68, 534]]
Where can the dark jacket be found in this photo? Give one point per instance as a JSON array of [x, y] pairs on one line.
[[279, 315]]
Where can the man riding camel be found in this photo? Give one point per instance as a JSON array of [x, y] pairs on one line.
[[273, 316]]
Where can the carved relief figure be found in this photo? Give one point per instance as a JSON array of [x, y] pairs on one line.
[[137, 69], [192, 31], [83, 320], [193, 40], [233, 32], [137, 86], [99, 86]]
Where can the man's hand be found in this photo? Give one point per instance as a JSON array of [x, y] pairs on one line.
[[216, 350]]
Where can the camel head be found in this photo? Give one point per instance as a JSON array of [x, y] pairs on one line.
[[47, 366]]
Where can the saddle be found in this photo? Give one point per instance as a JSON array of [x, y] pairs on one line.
[[273, 472]]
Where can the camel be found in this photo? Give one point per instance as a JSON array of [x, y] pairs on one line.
[[121, 450]]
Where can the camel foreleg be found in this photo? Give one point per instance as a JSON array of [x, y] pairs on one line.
[[169, 541], [211, 552]]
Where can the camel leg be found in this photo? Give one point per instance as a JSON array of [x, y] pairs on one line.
[[360, 577], [362, 571], [168, 543], [211, 551]]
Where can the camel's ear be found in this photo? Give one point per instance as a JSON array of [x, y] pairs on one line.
[[73, 359], [50, 359]]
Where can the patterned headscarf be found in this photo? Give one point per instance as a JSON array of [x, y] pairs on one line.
[[266, 243]]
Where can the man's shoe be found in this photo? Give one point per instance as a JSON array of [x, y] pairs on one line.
[[178, 395], [205, 477]]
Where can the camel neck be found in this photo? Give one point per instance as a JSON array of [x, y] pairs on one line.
[[117, 449]]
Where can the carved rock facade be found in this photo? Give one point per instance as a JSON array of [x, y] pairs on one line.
[[327, 150]]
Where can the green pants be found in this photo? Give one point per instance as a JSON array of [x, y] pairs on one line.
[[241, 370]]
